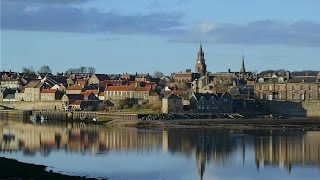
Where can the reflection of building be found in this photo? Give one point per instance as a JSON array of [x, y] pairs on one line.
[[286, 151]]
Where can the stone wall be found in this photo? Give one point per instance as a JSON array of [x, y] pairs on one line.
[[312, 107], [309, 108], [36, 105]]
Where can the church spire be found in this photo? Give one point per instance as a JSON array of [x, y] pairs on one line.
[[201, 67], [242, 69]]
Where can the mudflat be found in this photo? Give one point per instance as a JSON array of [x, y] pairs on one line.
[[292, 123]]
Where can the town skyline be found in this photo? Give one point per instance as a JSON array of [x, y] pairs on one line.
[[150, 36]]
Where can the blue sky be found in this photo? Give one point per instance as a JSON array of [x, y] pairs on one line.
[[148, 35]]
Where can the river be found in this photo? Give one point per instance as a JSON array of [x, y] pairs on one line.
[[177, 154]]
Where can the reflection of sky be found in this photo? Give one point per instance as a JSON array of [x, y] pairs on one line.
[[161, 165], [169, 154]]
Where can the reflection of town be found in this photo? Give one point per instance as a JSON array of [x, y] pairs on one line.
[[284, 149], [288, 150]]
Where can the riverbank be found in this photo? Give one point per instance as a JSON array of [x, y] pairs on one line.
[[13, 169], [293, 123]]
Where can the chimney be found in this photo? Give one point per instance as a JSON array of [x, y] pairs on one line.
[[288, 75], [229, 70]]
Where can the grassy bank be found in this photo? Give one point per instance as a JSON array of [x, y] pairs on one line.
[[13, 169]]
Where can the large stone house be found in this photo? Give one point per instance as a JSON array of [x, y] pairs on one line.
[[211, 103], [271, 88], [50, 94], [74, 89], [98, 78], [32, 91], [172, 103], [132, 90], [302, 88]]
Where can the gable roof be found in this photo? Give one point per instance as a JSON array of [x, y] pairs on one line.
[[172, 96], [206, 96], [77, 102], [34, 84], [10, 96], [75, 96], [102, 77]]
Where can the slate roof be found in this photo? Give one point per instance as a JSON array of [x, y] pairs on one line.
[[102, 77], [34, 84], [10, 96], [172, 96], [306, 79], [206, 96]]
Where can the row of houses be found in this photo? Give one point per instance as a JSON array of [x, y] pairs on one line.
[[286, 88]]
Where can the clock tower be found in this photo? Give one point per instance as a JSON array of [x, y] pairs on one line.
[[201, 66]]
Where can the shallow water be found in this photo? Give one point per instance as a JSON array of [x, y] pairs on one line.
[[88, 150]]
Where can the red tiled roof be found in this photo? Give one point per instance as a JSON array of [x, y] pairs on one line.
[[74, 87], [77, 102], [101, 94], [94, 91], [49, 91], [118, 88]]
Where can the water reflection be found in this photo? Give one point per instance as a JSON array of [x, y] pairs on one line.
[[219, 147]]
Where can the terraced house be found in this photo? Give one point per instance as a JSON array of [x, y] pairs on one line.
[[132, 90], [271, 88], [302, 88]]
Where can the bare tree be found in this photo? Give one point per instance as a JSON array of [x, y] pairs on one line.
[[29, 72], [158, 74], [83, 69], [45, 70], [91, 70]]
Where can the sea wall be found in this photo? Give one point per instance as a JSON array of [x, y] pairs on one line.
[[309, 108], [312, 107], [34, 105]]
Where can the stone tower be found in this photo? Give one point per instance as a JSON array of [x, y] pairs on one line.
[[201, 66]]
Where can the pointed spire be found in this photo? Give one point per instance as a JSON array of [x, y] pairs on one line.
[[200, 53], [242, 69]]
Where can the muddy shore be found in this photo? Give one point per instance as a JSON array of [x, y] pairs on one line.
[[13, 169], [294, 123]]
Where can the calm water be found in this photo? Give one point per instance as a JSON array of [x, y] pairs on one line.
[[81, 149]]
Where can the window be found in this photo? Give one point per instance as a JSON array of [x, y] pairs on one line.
[[310, 95], [270, 87], [293, 88], [301, 87], [293, 96]]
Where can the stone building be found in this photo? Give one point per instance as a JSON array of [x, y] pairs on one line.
[[302, 88], [186, 76], [74, 89], [32, 91], [211, 103], [172, 104], [132, 90], [50, 94], [98, 79], [271, 88], [201, 66]]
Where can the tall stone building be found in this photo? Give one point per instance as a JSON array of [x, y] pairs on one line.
[[201, 66]]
